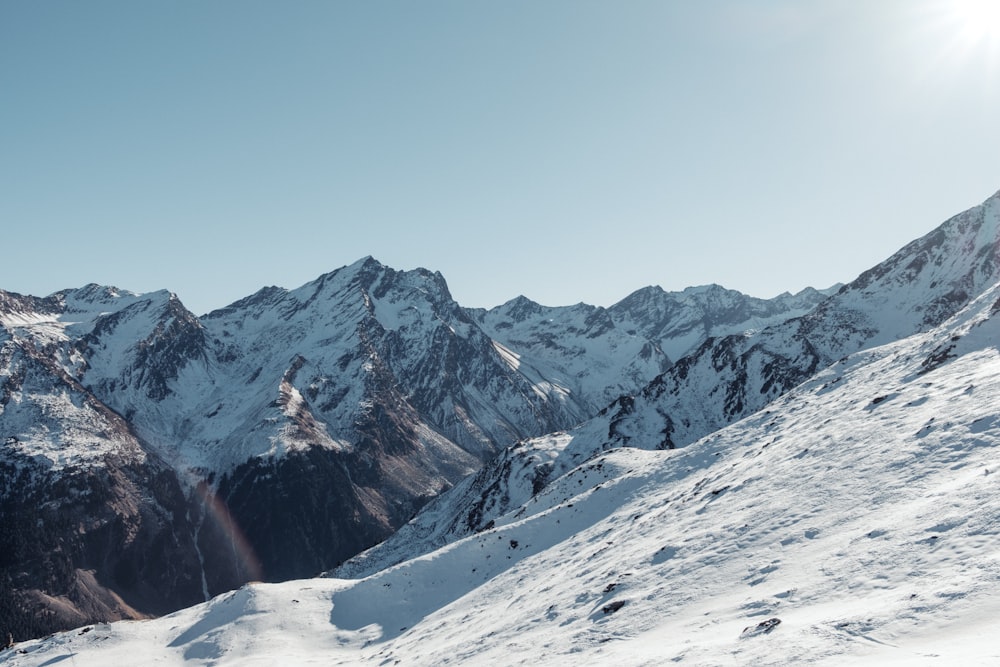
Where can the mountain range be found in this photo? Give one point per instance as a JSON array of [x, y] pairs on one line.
[[697, 476], [153, 459]]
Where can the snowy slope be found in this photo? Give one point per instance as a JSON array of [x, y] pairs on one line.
[[853, 521], [47, 415]]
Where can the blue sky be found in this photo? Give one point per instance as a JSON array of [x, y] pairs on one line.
[[565, 150]]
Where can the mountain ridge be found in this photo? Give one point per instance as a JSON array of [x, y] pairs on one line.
[[722, 381], [367, 380], [852, 520], [292, 429]]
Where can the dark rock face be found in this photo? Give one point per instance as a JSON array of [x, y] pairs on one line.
[[94, 544], [300, 515], [762, 628]]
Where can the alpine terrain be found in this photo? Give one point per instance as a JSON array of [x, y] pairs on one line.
[[152, 459], [821, 489]]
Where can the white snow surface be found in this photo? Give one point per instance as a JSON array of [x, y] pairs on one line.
[[48, 417], [861, 510]]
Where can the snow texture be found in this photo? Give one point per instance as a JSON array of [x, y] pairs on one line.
[[853, 520]]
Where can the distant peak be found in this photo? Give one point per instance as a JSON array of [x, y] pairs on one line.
[[645, 293], [705, 289], [365, 265], [369, 270], [92, 292], [811, 292], [519, 301], [367, 262], [654, 290], [520, 307], [265, 296]]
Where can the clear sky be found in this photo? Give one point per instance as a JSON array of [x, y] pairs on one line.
[[567, 150]]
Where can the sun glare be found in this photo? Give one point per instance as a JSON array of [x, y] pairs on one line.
[[962, 34], [979, 19]]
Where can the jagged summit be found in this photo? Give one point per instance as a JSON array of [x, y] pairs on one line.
[[711, 288], [367, 277], [681, 321], [94, 293], [520, 308]]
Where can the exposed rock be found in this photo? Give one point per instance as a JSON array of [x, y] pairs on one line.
[[762, 628]]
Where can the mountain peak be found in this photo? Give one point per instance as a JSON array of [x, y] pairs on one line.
[[368, 272], [520, 307], [261, 298], [705, 289], [92, 293], [365, 264]]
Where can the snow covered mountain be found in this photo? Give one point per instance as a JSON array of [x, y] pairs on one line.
[[273, 438], [680, 322], [853, 520], [599, 354], [916, 289], [90, 524], [576, 348], [300, 426], [725, 379]]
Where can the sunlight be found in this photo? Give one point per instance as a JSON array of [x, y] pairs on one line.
[[979, 20], [960, 36]]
